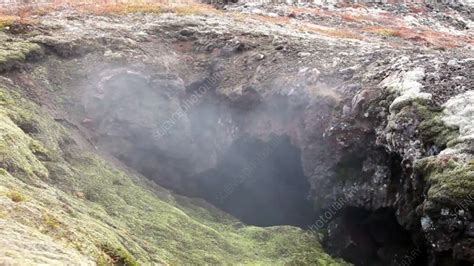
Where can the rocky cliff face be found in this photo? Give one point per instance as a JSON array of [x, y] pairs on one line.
[[351, 122]]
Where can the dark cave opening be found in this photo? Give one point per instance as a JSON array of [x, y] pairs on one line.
[[373, 238], [446, 258], [260, 182]]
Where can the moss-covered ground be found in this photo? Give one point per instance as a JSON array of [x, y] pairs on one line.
[[13, 52], [450, 179]]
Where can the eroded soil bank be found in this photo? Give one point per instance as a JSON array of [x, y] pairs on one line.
[[139, 137]]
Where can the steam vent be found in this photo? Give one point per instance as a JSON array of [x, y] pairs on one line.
[[322, 133]]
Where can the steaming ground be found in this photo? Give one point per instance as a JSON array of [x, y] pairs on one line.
[[162, 138]]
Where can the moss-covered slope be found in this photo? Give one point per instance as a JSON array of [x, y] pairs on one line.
[[13, 52], [78, 208]]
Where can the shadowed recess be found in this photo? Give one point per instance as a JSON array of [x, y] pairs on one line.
[[261, 183]]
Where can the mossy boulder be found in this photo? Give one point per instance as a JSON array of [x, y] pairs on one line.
[[449, 179], [418, 129], [432, 128], [12, 52]]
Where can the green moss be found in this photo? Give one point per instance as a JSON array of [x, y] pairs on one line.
[[15, 153], [16, 196], [432, 128], [115, 256], [50, 221], [3, 171], [5, 99], [38, 149], [28, 123], [14, 52], [450, 179]]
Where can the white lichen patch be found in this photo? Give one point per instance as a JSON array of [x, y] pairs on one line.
[[426, 223], [459, 112], [407, 85]]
